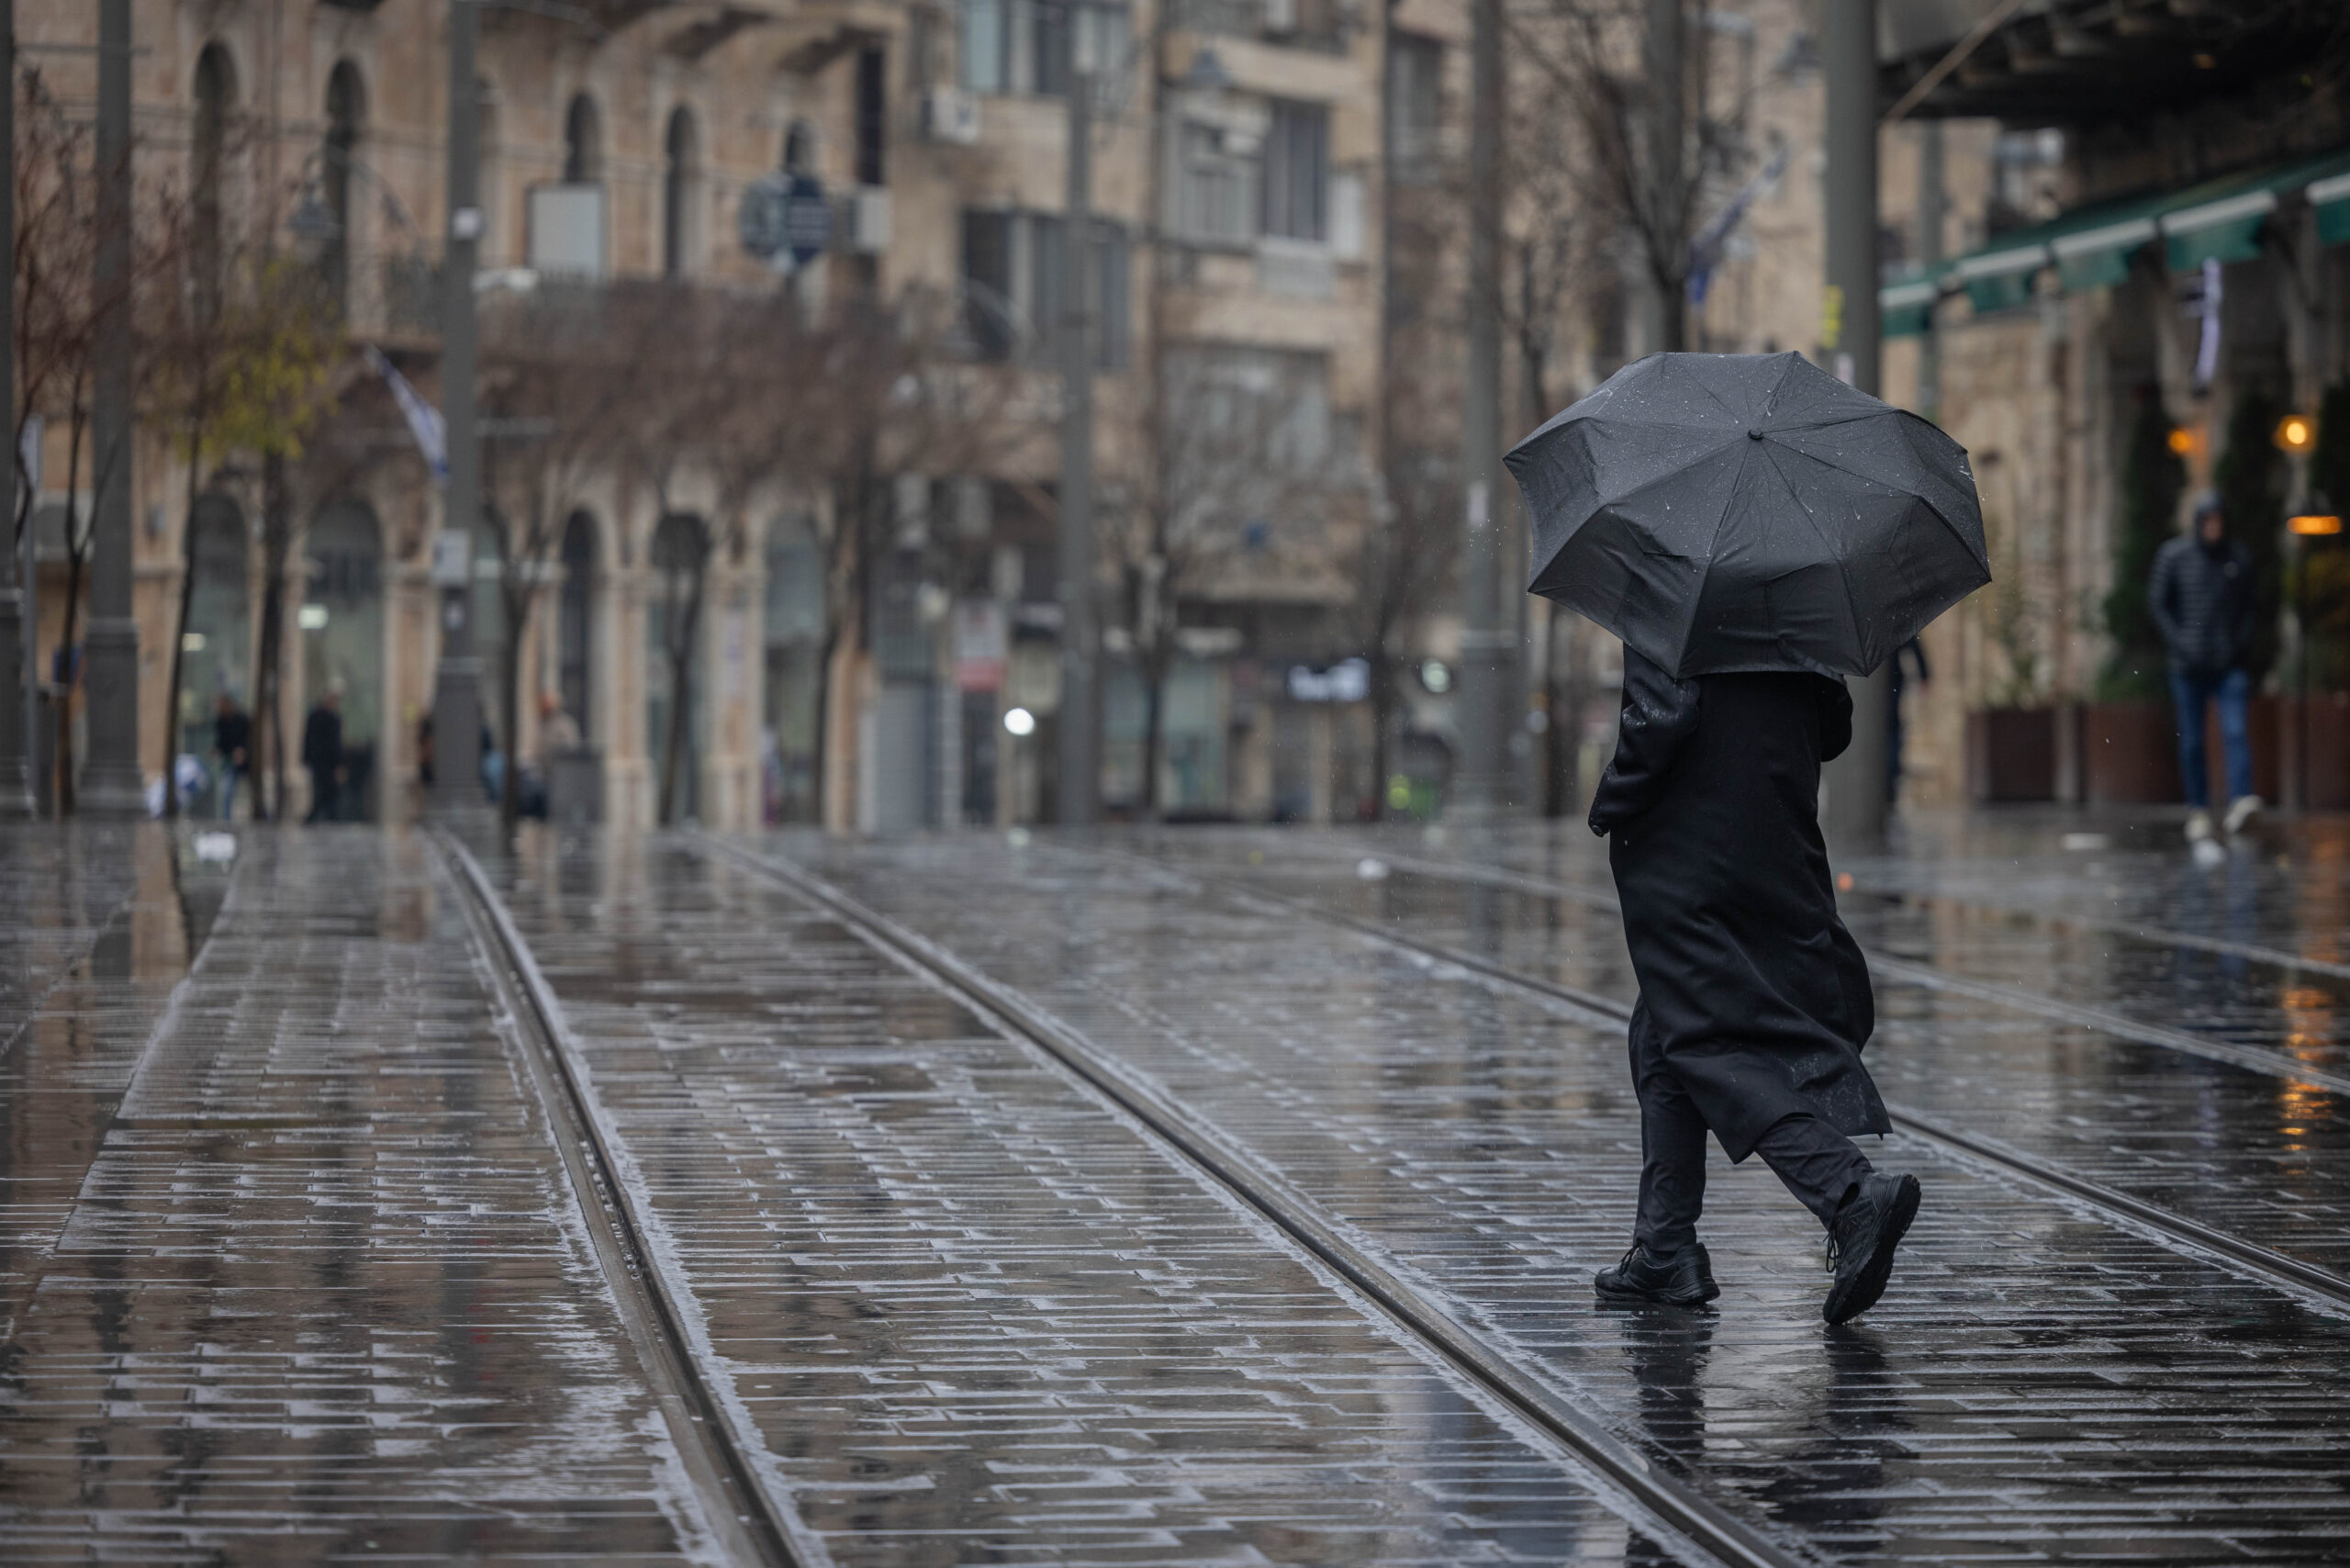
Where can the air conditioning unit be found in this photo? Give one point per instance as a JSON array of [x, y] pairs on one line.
[[863, 225], [950, 115]]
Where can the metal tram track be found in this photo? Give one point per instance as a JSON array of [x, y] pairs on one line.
[[751, 1526], [1685, 1510], [1907, 971], [2232, 1251]]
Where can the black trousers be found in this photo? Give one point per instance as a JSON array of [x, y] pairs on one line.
[[1818, 1164], [323, 803]]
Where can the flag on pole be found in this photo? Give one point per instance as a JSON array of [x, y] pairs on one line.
[[424, 420]]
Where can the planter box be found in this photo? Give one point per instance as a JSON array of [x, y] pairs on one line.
[[2130, 753], [2011, 754], [2313, 750]]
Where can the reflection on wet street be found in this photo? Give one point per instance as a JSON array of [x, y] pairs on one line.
[[292, 1266]]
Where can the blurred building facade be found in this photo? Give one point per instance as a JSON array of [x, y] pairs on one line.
[[2138, 291]]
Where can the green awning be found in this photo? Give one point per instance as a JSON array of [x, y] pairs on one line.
[[1906, 309], [2098, 257], [2000, 278], [2219, 220], [2223, 231], [2331, 198]]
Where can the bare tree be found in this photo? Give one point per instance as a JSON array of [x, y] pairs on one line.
[[1242, 481]]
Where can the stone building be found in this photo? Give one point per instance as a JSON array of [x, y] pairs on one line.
[[1236, 183]]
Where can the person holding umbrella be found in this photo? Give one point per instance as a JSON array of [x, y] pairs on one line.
[[1751, 528]]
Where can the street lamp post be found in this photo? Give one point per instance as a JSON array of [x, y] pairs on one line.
[[112, 784], [16, 592], [1488, 635], [1080, 765], [1855, 793], [456, 691]]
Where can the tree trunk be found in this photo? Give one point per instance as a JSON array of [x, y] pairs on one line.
[[1154, 717], [179, 638], [509, 686], [680, 650], [1383, 722], [823, 756], [74, 549], [275, 542]]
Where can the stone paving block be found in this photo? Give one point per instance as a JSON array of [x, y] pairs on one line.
[[318, 1287], [2037, 1383], [975, 1313]]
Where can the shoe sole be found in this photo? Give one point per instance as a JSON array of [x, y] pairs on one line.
[[1869, 1284], [1617, 1295]]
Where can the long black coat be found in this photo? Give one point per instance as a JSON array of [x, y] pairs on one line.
[[1758, 994]]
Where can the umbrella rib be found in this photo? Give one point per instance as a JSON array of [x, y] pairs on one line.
[[1899, 490], [1713, 547], [1843, 577]]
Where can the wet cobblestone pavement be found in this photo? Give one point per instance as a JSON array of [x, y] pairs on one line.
[[292, 1271], [301, 1260]]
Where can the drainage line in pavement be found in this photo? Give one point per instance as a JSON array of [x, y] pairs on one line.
[[751, 1526], [1907, 971], [1701, 1521], [2278, 1268]]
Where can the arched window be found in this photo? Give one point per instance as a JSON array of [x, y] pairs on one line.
[[799, 148], [346, 114], [216, 100], [575, 623], [677, 182], [583, 142]]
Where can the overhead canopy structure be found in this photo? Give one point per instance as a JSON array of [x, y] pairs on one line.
[[2092, 247], [2082, 61]]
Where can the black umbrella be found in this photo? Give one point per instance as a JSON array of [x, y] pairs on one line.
[[1750, 512]]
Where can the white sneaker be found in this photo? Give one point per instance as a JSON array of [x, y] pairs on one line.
[[2242, 810], [2199, 827]]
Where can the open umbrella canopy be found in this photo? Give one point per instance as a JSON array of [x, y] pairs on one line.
[[1727, 512]]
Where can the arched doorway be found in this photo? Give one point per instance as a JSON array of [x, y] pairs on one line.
[[583, 142], [576, 625], [341, 623], [215, 644], [673, 718]]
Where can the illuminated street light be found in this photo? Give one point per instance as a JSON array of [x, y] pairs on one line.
[[2297, 434], [1020, 721]]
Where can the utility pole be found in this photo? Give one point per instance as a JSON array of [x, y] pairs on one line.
[[456, 689], [1080, 715], [1661, 54], [112, 784], [16, 593], [1929, 256], [1855, 792], [1488, 635]]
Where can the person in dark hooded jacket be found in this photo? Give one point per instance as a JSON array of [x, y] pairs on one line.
[[1754, 1000]]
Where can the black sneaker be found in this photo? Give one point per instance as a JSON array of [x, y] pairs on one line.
[[1860, 1244], [1683, 1278]]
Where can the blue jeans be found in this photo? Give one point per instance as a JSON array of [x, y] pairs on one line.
[[2190, 690]]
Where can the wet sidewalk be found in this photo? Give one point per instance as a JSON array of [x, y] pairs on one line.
[[1185, 1197]]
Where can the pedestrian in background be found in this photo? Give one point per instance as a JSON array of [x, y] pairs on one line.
[[2201, 597], [233, 734], [1914, 652], [322, 755], [1754, 1000]]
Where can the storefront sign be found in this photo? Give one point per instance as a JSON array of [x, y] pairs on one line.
[[980, 642], [1346, 681]]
